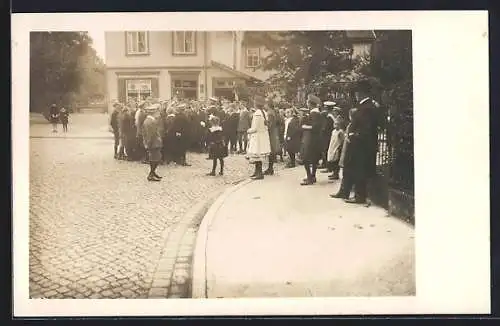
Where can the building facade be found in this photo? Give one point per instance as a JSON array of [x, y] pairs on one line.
[[186, 64]]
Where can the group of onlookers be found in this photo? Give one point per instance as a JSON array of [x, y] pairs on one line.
[[322, 133], [155, 131]]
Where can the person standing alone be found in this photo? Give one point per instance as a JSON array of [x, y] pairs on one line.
[[217, 146], [153, 140]]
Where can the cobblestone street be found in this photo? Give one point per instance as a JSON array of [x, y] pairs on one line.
[[98, 229]]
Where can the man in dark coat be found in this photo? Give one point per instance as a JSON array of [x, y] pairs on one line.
[[169, 138], [359, 162], [115, 127], [311, 140], [326, 133], [139, 118], [369, 116], [180, 129], [127, 137]]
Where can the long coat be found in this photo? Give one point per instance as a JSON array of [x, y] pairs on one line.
[[151, 133], [369, 117], [273, 127], [312, 147], [293, 135], [179, 132], [354, 154], [259, 146], [125, 127]]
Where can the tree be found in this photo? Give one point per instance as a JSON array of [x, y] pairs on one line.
[[304, 57], [392, 66], [63, 67]]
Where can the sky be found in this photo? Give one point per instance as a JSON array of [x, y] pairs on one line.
[[98, 43]]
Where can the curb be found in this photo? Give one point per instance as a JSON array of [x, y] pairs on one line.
[[199, 272], [170, 277], [161, 284]]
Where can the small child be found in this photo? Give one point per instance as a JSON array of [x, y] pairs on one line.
[[63, 116], [217, 146], [335, 148]]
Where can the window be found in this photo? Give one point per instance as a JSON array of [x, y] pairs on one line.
[[137, 43], [253, 57], [138, 89], [184, 43], [185, 88]]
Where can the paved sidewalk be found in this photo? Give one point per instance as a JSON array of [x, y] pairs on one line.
[[275, 238]]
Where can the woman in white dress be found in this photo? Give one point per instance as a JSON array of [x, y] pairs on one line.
[[259, 146]]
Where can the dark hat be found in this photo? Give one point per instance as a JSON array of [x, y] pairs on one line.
[[259, 100], [314, 99]]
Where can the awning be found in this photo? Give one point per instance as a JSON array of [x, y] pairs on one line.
[[234, 71]]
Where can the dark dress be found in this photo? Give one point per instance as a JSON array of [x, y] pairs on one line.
[[312, 148], [54, 114], [217, 147], [293, 135]]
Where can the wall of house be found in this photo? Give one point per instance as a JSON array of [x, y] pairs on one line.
[[254, 72], [221, 47], [160, 52]]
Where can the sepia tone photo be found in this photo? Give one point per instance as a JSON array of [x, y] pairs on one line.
[[221, 164]]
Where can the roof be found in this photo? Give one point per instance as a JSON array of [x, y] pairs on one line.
[[361, 35], [233, 71]]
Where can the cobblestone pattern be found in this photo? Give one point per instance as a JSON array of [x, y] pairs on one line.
[[173, 275], [98, 228]]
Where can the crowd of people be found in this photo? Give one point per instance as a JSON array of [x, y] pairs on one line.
[[156, 132]]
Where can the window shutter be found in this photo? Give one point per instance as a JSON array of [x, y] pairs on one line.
[[122, 91], [154, 88]]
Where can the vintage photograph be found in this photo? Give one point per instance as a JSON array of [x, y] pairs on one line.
[[221, 164]]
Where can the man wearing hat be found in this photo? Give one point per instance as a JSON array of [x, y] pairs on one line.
[[367, 131], [127, 135], [311, 140], [152, 139], [328, 121], [180, 129]]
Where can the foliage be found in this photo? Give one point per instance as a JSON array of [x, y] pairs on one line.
[[304, 57], [392, 66], [64, 69]]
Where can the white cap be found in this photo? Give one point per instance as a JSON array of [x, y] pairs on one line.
[[329, 103]]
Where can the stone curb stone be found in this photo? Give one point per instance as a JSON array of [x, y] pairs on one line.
[[198, 287]]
